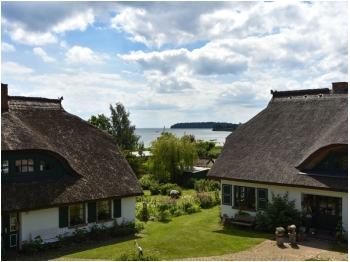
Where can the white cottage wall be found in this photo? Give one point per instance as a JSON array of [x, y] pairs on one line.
[[36, 220], [49, 218], [294, 193]]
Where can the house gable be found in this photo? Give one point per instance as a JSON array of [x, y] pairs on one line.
[[270, 147]]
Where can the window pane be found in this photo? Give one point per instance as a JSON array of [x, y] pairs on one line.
[[103, 210], [24, 161], [18, 162], [24, 169], [30, 168], [30, 162], [76, 214]]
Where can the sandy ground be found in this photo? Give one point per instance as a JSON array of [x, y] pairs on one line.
[[311, 248]]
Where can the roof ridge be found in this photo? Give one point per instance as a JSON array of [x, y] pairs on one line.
[[58, 100], [300, 92]]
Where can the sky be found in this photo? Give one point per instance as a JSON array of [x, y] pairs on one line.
[[171, 62]]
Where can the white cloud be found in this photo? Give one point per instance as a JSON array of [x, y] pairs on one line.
[[12, 68], [5, 47], [19, 34], [40, 52], [84, 55], [78, 21], [63, 44]]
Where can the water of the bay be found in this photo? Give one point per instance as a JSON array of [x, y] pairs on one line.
[[206, 134]]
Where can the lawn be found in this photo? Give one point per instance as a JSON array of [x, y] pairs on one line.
[[195, 235]]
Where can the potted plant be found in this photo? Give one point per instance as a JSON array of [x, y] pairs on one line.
[[291, 229], [279, 231], [302, 234], [279, 236], [292, 235]]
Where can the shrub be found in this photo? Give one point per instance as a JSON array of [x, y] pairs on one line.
[[155, 188], [133, 255], [204, 185], [146, 182], [215, 152], [80, 235], [166, 188], [281, 212], [124, 229], [33, 246], [189, 183], [206, 200], [62, 240], [97, 232]]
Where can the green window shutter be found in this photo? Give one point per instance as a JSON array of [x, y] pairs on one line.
[[227, 194], [92, 212], [117, 205], [63, 216], [262, 198]]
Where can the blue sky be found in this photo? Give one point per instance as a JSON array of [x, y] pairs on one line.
[[171, 62]]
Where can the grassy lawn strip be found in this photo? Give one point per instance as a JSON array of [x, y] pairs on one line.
[[195, 235]]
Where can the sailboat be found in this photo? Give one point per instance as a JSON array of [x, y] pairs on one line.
[[163, 130]]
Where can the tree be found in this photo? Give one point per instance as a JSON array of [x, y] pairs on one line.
[[102, 122], [122, 128], [119, 126], [171, 156], [203, 148]]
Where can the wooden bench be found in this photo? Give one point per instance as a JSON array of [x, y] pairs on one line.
[[244, 220], [48, 235]]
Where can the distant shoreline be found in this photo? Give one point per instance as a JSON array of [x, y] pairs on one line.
[[215, 126]]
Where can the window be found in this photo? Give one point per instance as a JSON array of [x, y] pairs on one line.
[[77, 214], [334, 161], [341, 162], [227, 194], [103, 210], [262, 199], [13, 220], [44, 166], [4, 166], [245, 197], [24, 165]]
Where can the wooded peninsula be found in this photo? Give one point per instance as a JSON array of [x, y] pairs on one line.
[[216, 126]]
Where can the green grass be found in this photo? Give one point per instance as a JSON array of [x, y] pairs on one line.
[[194, 235]]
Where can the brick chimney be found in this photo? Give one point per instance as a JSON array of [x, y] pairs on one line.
[[4, 98], [340, 88]]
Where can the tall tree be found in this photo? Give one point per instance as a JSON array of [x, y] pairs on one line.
[[102, 122], [171, 156], [119, 126]]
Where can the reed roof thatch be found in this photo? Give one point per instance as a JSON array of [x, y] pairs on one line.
[[97, 168], [269, 148]]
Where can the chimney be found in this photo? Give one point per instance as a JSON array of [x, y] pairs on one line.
[[340, 88], [4, 98]]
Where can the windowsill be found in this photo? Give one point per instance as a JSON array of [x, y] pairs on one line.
[[104, 221], [77, 226], [246, 209]]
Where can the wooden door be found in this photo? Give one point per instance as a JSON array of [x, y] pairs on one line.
[[8, 231]]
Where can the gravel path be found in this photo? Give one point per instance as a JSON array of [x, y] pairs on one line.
[[311, 248]]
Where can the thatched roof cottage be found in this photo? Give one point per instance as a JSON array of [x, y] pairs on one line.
[[299, 144], [58, 172]]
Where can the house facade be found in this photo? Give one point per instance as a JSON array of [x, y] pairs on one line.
[[58, 173], [299, 145]]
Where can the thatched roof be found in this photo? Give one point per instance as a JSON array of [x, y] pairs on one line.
[[296, 124], [97, 168], [204, 162]]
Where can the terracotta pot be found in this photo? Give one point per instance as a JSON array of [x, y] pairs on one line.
[[293, 239], [301, 237], [279, 240]]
